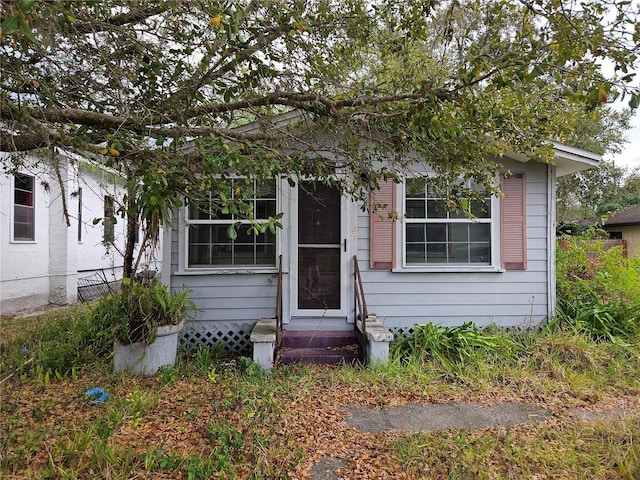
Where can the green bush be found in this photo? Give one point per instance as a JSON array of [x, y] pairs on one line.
[[598, 289]]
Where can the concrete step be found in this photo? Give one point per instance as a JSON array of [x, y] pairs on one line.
[[319, 355], [317, 339]]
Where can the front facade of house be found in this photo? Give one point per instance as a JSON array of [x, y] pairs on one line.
[[41, 256], [428, 265]]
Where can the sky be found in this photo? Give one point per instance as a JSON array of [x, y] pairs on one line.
[[630, 157]]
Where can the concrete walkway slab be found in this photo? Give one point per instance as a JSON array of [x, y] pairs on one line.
[[419, 417]]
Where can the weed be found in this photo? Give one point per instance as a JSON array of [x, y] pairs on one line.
[[199, 468], [451, 346], [250, 368], [227, 439], [168, 375]]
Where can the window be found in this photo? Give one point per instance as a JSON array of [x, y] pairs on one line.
[[109, 230], [209, 244], [23, 209], [437, 235]]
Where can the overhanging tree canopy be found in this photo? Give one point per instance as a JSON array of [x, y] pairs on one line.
[[130, 83]]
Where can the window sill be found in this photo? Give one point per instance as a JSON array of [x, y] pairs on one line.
[[23, 242], [451, 269], [227, 271]]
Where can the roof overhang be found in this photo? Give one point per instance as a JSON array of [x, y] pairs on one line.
[[567, 159]]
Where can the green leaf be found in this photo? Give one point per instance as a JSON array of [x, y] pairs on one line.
[[25, 5], [9, 25], [26, 29], [634, 102], [231, 232]]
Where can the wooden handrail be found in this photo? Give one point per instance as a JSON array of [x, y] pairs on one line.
[[279, 304], [361, 302]]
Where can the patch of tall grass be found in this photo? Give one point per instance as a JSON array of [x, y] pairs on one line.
[[60, 341]]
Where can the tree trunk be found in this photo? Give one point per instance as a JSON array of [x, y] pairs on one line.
[[130, 238]]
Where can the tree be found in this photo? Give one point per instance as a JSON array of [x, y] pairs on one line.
[[155, 88], [580, 195]]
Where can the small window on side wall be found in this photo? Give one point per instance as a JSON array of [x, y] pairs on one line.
[[23, 209]]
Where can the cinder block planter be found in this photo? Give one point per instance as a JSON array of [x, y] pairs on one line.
[[140, 358], [377, 340], [263, 339]]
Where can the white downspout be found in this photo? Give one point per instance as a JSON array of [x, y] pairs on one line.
[[551, 241]]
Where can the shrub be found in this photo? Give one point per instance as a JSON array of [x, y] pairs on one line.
[[598, 289], [134, 313]]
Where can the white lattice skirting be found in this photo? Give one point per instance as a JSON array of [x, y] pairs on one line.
[[233, 336]]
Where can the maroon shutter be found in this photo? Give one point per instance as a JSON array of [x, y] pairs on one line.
[[382, 234], [513, 222]]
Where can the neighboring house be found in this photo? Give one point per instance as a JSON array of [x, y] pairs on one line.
[[428, 266], [41, 257], [625, 225]]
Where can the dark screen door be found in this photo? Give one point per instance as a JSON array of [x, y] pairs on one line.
[[319, 247]]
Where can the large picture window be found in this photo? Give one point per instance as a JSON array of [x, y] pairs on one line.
[[436, 234], [209, 244], [23, 209]]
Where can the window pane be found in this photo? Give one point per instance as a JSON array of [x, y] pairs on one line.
[[266, 190], [480, 253], [246, 236], [436, 253], [458, 213], [222, 254], [416, 233], [244, 254], [23, 231], [266, 254], [415, 188], [265, 209], [436, 232], [23, 214], [199, 234], [415, 209], [219, 233], [416, 253], [436, 209], [459, 233], [24, 182], [459, 253], [481, 209], [199, 211], [199, 255], [479, 232], [23, 198]]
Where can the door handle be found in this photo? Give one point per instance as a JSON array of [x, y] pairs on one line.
[[345, 244]]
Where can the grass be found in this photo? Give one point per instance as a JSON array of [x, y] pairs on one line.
[[213, 416]]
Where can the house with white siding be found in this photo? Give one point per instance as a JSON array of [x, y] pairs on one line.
[[418, 265], [44, 254]]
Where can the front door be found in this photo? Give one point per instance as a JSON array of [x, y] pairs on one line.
[[320, 251]]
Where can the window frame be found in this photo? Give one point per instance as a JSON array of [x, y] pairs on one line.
[[14, 188], [401, 249], [185, 266]]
